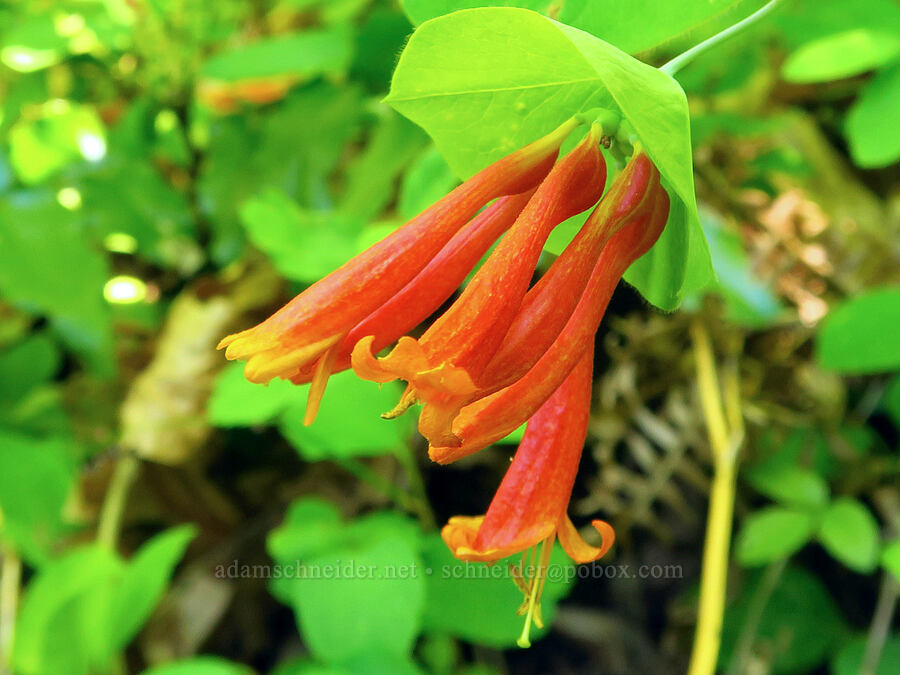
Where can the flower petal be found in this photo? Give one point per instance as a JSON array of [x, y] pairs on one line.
[[493, 417], [577, 548]]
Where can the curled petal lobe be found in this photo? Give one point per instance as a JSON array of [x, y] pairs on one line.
[[577, 548]]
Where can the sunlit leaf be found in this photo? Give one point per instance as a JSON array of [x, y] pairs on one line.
[[484, 82]]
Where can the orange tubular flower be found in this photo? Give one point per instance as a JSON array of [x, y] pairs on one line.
[[308, 328], [493, 417], [531, 502], [433, 285], [443, 367], [549, 304]]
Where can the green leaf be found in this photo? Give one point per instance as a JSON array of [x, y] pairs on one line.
[[478, 603], [464, 79], [26, 365], [891, 400], [33, 43], [293, 146], [304, 245], [128, 196], [420, 11], [890, 558], [310, 53], [849, 532], [639, 25], [427, 180], [849, 660], [237, 402], [36, 477], [789, 485], [773, 533], [371, 176], [60, 627], [749, 301], [200, 665], [144, 582], [356, 587], [799, 627], [841, 55], [62, 134], [873, 127], [46, 266], [349, 422], [859, 334]]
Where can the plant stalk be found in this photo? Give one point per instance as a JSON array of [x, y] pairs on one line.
[[685, 58], [10, 580], [724, 442]]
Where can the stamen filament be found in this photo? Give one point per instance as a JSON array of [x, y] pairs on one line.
[[537, 587]]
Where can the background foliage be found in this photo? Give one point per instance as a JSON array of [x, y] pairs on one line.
[[173, 170]]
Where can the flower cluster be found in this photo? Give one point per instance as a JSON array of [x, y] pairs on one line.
[[506, 352]]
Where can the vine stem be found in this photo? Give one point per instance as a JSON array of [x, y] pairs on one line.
[[881, 624], [725, 428], [10, 580], [123, 478], [685, 58]]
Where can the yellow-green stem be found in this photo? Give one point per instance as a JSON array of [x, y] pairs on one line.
[[115, 500], [10, 578], [724, 442]]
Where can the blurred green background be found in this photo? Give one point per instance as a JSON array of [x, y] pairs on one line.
[[175, 170]]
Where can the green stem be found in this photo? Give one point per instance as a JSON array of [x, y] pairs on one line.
[[685, 58], [724, 443], [10, 579], [758, 603], [417, 487], [116, 497], [881, 624]]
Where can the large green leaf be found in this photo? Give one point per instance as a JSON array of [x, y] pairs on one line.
[[639, 25], [336, 434], [797, 629], [356, 588], [61, 627], [144, 582], [36, 477], [47, 267], [478, 603], [873, 125], [484, 82], [859, 335], [632, 26]]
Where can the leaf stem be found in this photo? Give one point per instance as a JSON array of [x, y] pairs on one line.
[[725, 443], [881, 624], [686, 57], [116, 498], [10, 579]]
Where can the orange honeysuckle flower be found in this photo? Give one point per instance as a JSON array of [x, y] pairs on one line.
[[550, 302], [422, 296], [493, 417], [307, 329], [443, 367], [530, 505]]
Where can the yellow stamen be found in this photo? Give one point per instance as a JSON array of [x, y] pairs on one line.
[[409, 398], [533, 612]]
